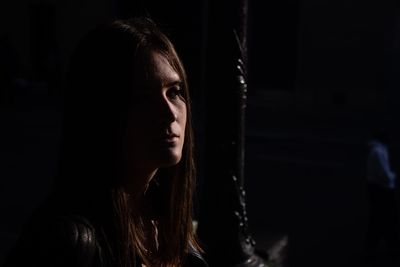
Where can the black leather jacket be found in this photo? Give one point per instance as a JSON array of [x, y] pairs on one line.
[[68, 240]]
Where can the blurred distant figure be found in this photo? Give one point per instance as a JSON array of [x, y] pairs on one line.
[[383, 217], [379, 172]]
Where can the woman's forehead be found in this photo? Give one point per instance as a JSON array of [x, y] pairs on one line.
[[159, 71], [154, 69]]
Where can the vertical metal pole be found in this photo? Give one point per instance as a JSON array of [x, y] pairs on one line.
[[223, 220], [240, 31]]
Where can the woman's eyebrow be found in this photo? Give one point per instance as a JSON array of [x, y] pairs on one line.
[[173, 83]]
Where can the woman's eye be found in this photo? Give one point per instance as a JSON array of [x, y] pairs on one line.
[[175, 92]]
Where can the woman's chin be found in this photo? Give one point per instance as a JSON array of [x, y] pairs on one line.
[[170, 159]]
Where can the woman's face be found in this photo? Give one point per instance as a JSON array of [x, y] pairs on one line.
[[156, 131]]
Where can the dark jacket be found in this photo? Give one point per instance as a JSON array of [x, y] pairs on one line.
[[53, 239]]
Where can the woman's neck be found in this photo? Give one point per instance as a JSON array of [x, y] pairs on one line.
[[136, 185]]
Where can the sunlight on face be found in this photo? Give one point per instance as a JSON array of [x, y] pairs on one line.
[[158, 117]]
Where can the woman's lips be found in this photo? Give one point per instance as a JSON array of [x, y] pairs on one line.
[[169, 138]]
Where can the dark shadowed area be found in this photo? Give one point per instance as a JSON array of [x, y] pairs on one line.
[[322, 75]]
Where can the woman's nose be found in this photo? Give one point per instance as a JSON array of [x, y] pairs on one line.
[[168, 111]]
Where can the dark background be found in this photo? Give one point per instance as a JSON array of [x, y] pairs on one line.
[[322, 75]]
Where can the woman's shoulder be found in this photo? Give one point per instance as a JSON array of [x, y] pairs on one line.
[[195, 258], [54, 238]]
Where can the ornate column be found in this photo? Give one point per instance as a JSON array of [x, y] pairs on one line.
[[223, 226]]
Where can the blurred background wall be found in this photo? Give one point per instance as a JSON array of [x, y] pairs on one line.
[[322, 75]]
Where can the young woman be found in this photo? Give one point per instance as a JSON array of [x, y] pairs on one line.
[[123, 196]]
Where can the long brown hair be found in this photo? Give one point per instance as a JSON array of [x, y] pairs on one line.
[[97, 101]]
